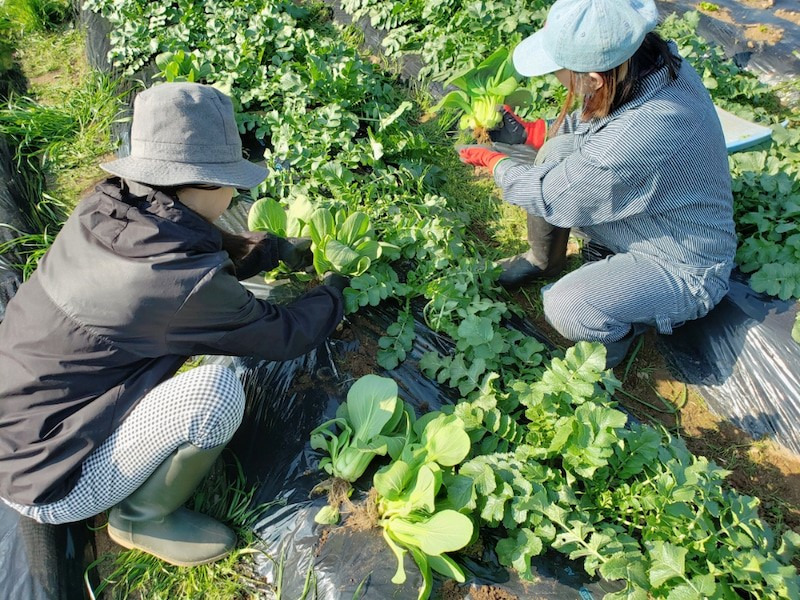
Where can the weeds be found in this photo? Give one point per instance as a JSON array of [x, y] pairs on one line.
[[29, 16]]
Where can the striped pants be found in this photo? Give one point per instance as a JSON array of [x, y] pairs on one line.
[[203, 406], [600, 301]]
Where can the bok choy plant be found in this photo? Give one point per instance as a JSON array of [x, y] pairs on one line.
[[372, 422], [342, 242], [481, 90], [407, 490]]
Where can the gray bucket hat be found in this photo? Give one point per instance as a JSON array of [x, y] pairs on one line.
[[185, 133]]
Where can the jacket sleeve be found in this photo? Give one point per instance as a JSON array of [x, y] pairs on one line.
[[263, 256], [220, 316]]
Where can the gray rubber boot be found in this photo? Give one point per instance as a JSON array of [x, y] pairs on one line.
[[546, 258], [153, 518]]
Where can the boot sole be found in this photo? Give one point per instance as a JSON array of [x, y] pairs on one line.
[[131, 546]]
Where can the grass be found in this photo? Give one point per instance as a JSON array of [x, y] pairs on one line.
[[31, 16], [224, 496], [63, 140], [58, 131]]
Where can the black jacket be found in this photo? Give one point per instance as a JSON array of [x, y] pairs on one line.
[[131, 286]]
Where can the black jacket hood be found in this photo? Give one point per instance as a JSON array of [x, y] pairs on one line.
[[143, 225]]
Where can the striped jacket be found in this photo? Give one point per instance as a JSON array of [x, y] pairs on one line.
[[652, 178]]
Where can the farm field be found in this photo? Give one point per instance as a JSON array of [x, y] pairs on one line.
[[532, 448]]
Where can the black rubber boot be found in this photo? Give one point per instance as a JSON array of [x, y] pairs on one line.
[[617, 351], [546, 258], [592, 251], [153, 520]]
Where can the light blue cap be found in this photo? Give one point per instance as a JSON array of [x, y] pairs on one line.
[[586, 36]]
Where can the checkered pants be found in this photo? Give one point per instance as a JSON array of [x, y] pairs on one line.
[[203, 406]]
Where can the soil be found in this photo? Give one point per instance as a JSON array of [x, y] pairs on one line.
[[765, 34], [788, 15], [721, 13], [453, 591], [361, 361], [324, 533], [758, 3]]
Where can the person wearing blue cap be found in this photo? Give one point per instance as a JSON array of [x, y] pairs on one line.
[[92, 413], [641, 169]]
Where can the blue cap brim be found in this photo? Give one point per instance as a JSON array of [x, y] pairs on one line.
[[531, 59]]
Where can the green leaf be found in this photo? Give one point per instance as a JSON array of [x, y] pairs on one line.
[[340, 256], [461, 492], [267, 215], [388, 120], [371, 403], [321, 225], [355, 226], [391, 480], [424, 490], [504, 88], [446, 566], [369, 248], [456, 99], [667, 562], [629, 567], [425, 570], [697, 588], [481, 474], [446, 440], [518, 550], [519, 98], [445, 531], [399, 553]]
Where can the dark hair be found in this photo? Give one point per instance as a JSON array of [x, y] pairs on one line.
[[621, 82]]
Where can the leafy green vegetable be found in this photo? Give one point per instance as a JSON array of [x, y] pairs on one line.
[[407, 491], [482, 89], [372, 422], [341, 242]]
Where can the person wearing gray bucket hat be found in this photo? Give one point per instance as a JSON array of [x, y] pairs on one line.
[[183, 134], [640, 169], [92, 413]]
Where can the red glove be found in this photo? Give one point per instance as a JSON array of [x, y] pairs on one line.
[[517, 131], [480, 156]]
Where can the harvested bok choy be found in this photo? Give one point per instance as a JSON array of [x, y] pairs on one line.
[[372, 422], [481, 90], [407, 491]]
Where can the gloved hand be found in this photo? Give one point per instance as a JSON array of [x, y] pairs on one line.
[[517, 131], [480, 156], [261, 257], [340, 282], [295, 252]]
